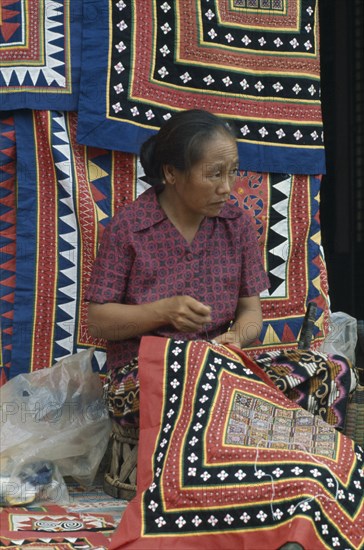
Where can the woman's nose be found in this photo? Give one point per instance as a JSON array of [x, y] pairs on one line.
[[225, 184]]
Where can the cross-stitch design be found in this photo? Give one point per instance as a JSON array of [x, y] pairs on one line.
[[253, 421], [261, 4]]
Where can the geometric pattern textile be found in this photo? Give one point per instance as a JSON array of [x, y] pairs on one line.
[[7, 240], [318, 382], [53, 528], [61, 522], [285, 210], [255, 63], [86, 541], [66, 194], [226, 460], [40, 54]]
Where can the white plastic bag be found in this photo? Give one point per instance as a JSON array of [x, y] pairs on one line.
[[342, 337], [56, 414], [32, 482]]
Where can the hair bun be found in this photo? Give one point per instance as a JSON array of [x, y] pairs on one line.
[[147, 158]]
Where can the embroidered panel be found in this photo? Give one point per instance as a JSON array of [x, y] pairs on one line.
[[66, 195], [285, 209], [7, 239], [198, 486], [278, 5], [40, 54], [259, 68], [254, 421], [29, 522], [320, 383]]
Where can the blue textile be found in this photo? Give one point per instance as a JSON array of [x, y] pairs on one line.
[[259, 71]]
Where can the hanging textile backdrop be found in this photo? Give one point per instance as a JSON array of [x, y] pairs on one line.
[[66, 194], [40, 54], [285, 209], [7, 239], [254, 62]]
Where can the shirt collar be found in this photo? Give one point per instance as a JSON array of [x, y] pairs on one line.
[[149, 212]]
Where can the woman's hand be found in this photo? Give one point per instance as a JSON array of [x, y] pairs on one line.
[[230, 337], [247, 324], [113, 321], [184, 313]]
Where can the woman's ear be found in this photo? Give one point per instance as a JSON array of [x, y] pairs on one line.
[[169, 173]]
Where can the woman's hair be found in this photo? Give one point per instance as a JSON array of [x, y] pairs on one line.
[[180, 142]]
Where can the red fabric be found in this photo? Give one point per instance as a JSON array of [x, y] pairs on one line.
[[252, 365], [315, 509]]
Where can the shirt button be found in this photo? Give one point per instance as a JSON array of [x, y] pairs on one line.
[[189, 256]]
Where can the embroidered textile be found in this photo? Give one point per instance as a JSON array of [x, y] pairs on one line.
[[54, 528], [7, 240], [40, 54], [285, 209], [121, 388], [66, 194], [255, 64], [320, 383], [54, 523], [227, 461]]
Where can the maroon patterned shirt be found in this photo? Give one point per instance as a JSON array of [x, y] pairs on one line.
[[143, 258]]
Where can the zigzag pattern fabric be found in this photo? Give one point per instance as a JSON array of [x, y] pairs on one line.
[[285, 209], [255, 63], [7, 240], [40, 52], [66, 194]]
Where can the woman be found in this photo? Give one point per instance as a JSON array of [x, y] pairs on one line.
[[179, 261], [182, 262]]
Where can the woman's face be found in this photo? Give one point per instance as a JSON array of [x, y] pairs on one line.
[[206, 187]]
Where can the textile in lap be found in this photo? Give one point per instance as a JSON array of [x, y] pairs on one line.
[[227, 461], [255, 63], [40, 54], [320, 383]]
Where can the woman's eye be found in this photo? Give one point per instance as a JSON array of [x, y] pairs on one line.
[[218, 174]]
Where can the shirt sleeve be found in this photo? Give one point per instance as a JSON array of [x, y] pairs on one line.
[[254, 278], [113, 263]]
